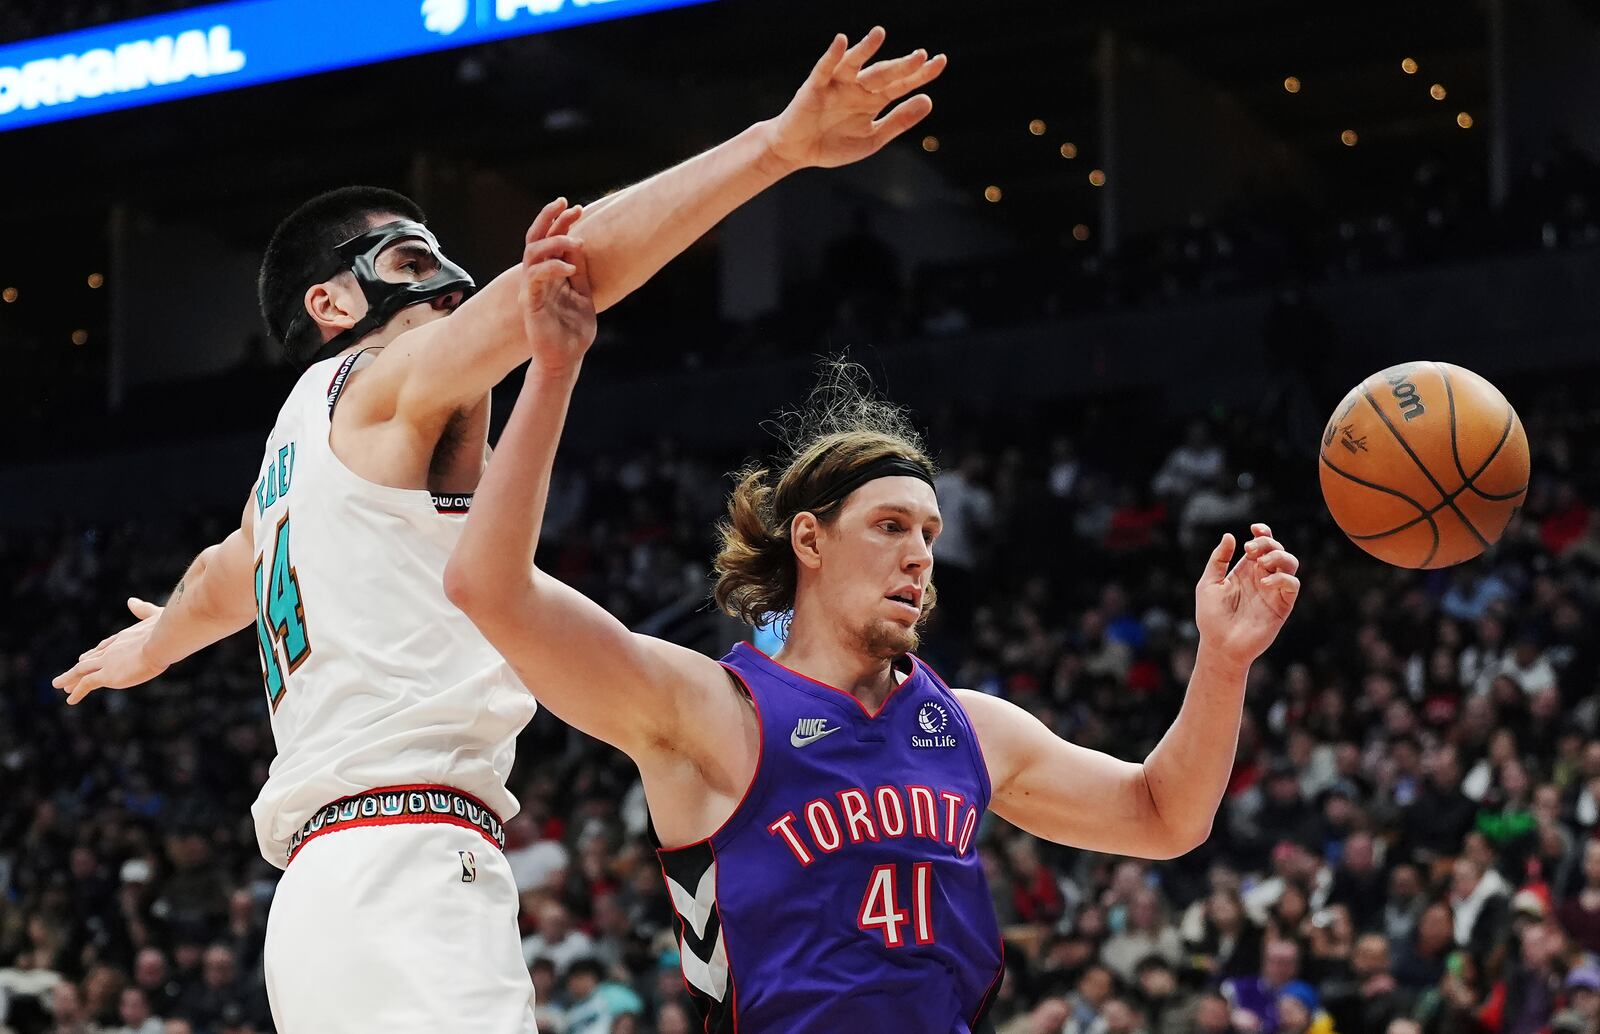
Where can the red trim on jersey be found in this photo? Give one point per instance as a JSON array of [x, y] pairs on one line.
[[834, 689], [727, 945], [402, 820], [987, 1001]]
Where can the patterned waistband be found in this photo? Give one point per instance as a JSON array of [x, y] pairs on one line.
[[395, 805]]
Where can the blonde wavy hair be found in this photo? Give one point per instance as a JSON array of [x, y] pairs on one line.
[[843, 426]]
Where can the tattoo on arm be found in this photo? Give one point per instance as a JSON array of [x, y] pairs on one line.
[[177, 593]]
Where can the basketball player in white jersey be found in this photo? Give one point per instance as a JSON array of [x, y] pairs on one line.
[[394, 720]]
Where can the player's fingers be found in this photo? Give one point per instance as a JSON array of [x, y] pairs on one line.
[[901, 118], [1217, 566], [88, 684], [551, 270], [828, 62], [1283, 583], [1260, 529], [545, 219], [1279, 560], [885, 72], [924, 75], [550, 247], [1261, 545], [861, 53], [564, 221], [142, 609], [579, 259]]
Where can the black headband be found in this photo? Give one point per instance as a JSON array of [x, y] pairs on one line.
[[884, 467]]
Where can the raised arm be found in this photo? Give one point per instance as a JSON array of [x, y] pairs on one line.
[[214, 598], [833, 119], [1165, 806], [429, 373], [581, 662]]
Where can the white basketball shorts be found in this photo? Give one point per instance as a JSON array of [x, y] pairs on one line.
[[409, 928]]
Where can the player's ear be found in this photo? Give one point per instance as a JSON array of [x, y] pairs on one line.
[[336, 304], [804, 536]]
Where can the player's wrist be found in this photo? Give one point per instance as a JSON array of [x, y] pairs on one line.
[[554, 371], [1215, 665], [772, 161]]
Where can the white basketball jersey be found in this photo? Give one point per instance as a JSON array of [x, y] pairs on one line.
[[372, 676]]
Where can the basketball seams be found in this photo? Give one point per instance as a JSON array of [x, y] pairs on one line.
[[1469, 481], [1455, 446], [1423, 513], [1449, 499]]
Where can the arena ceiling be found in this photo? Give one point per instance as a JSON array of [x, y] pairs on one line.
[[599, 105]]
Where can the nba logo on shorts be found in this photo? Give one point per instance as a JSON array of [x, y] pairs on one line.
[[469, 867]]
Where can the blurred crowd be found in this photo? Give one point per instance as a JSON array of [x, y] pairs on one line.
[[1407, 844]]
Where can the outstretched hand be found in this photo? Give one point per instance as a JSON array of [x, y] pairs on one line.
[[833, 118], [557, 301], [119, 661], [1240, 611]]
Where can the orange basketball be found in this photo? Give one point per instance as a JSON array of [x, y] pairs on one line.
[[1423, 464]]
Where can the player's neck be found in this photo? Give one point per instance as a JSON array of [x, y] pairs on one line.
[[825, 659]]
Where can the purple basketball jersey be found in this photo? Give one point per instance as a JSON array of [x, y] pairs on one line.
[[845, 891]]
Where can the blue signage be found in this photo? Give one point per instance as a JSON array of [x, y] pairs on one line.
[[229, 45]]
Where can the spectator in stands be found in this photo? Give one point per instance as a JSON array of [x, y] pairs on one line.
[[150, 976], [1213, 1014], [1441, 814], [1258, 996], [67, 1011], [1421, 963], [596, 1004], [1229, 943], [1197, 461], [1581, 1014], [1369, 997], [1146, 933], [1358, 882], [134, 1012], [1479, 903], [1580, 914], [557, 939], [1083, 1006]]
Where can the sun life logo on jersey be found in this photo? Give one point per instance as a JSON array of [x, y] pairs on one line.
[[933, 719], [444, 16]]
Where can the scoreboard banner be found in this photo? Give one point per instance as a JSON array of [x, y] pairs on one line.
[[225, 46]]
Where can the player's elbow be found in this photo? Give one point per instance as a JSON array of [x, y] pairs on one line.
[[1179, 842], [482, 591], [463, 588], [1178, 828]]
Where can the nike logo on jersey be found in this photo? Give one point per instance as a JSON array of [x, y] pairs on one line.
[[810, 730]]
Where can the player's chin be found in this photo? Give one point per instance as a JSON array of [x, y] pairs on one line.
[[886, 639]]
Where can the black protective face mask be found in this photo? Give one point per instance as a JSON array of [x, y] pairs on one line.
[[360, 255]]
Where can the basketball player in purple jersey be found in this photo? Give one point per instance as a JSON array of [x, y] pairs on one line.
[[818, 809]]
